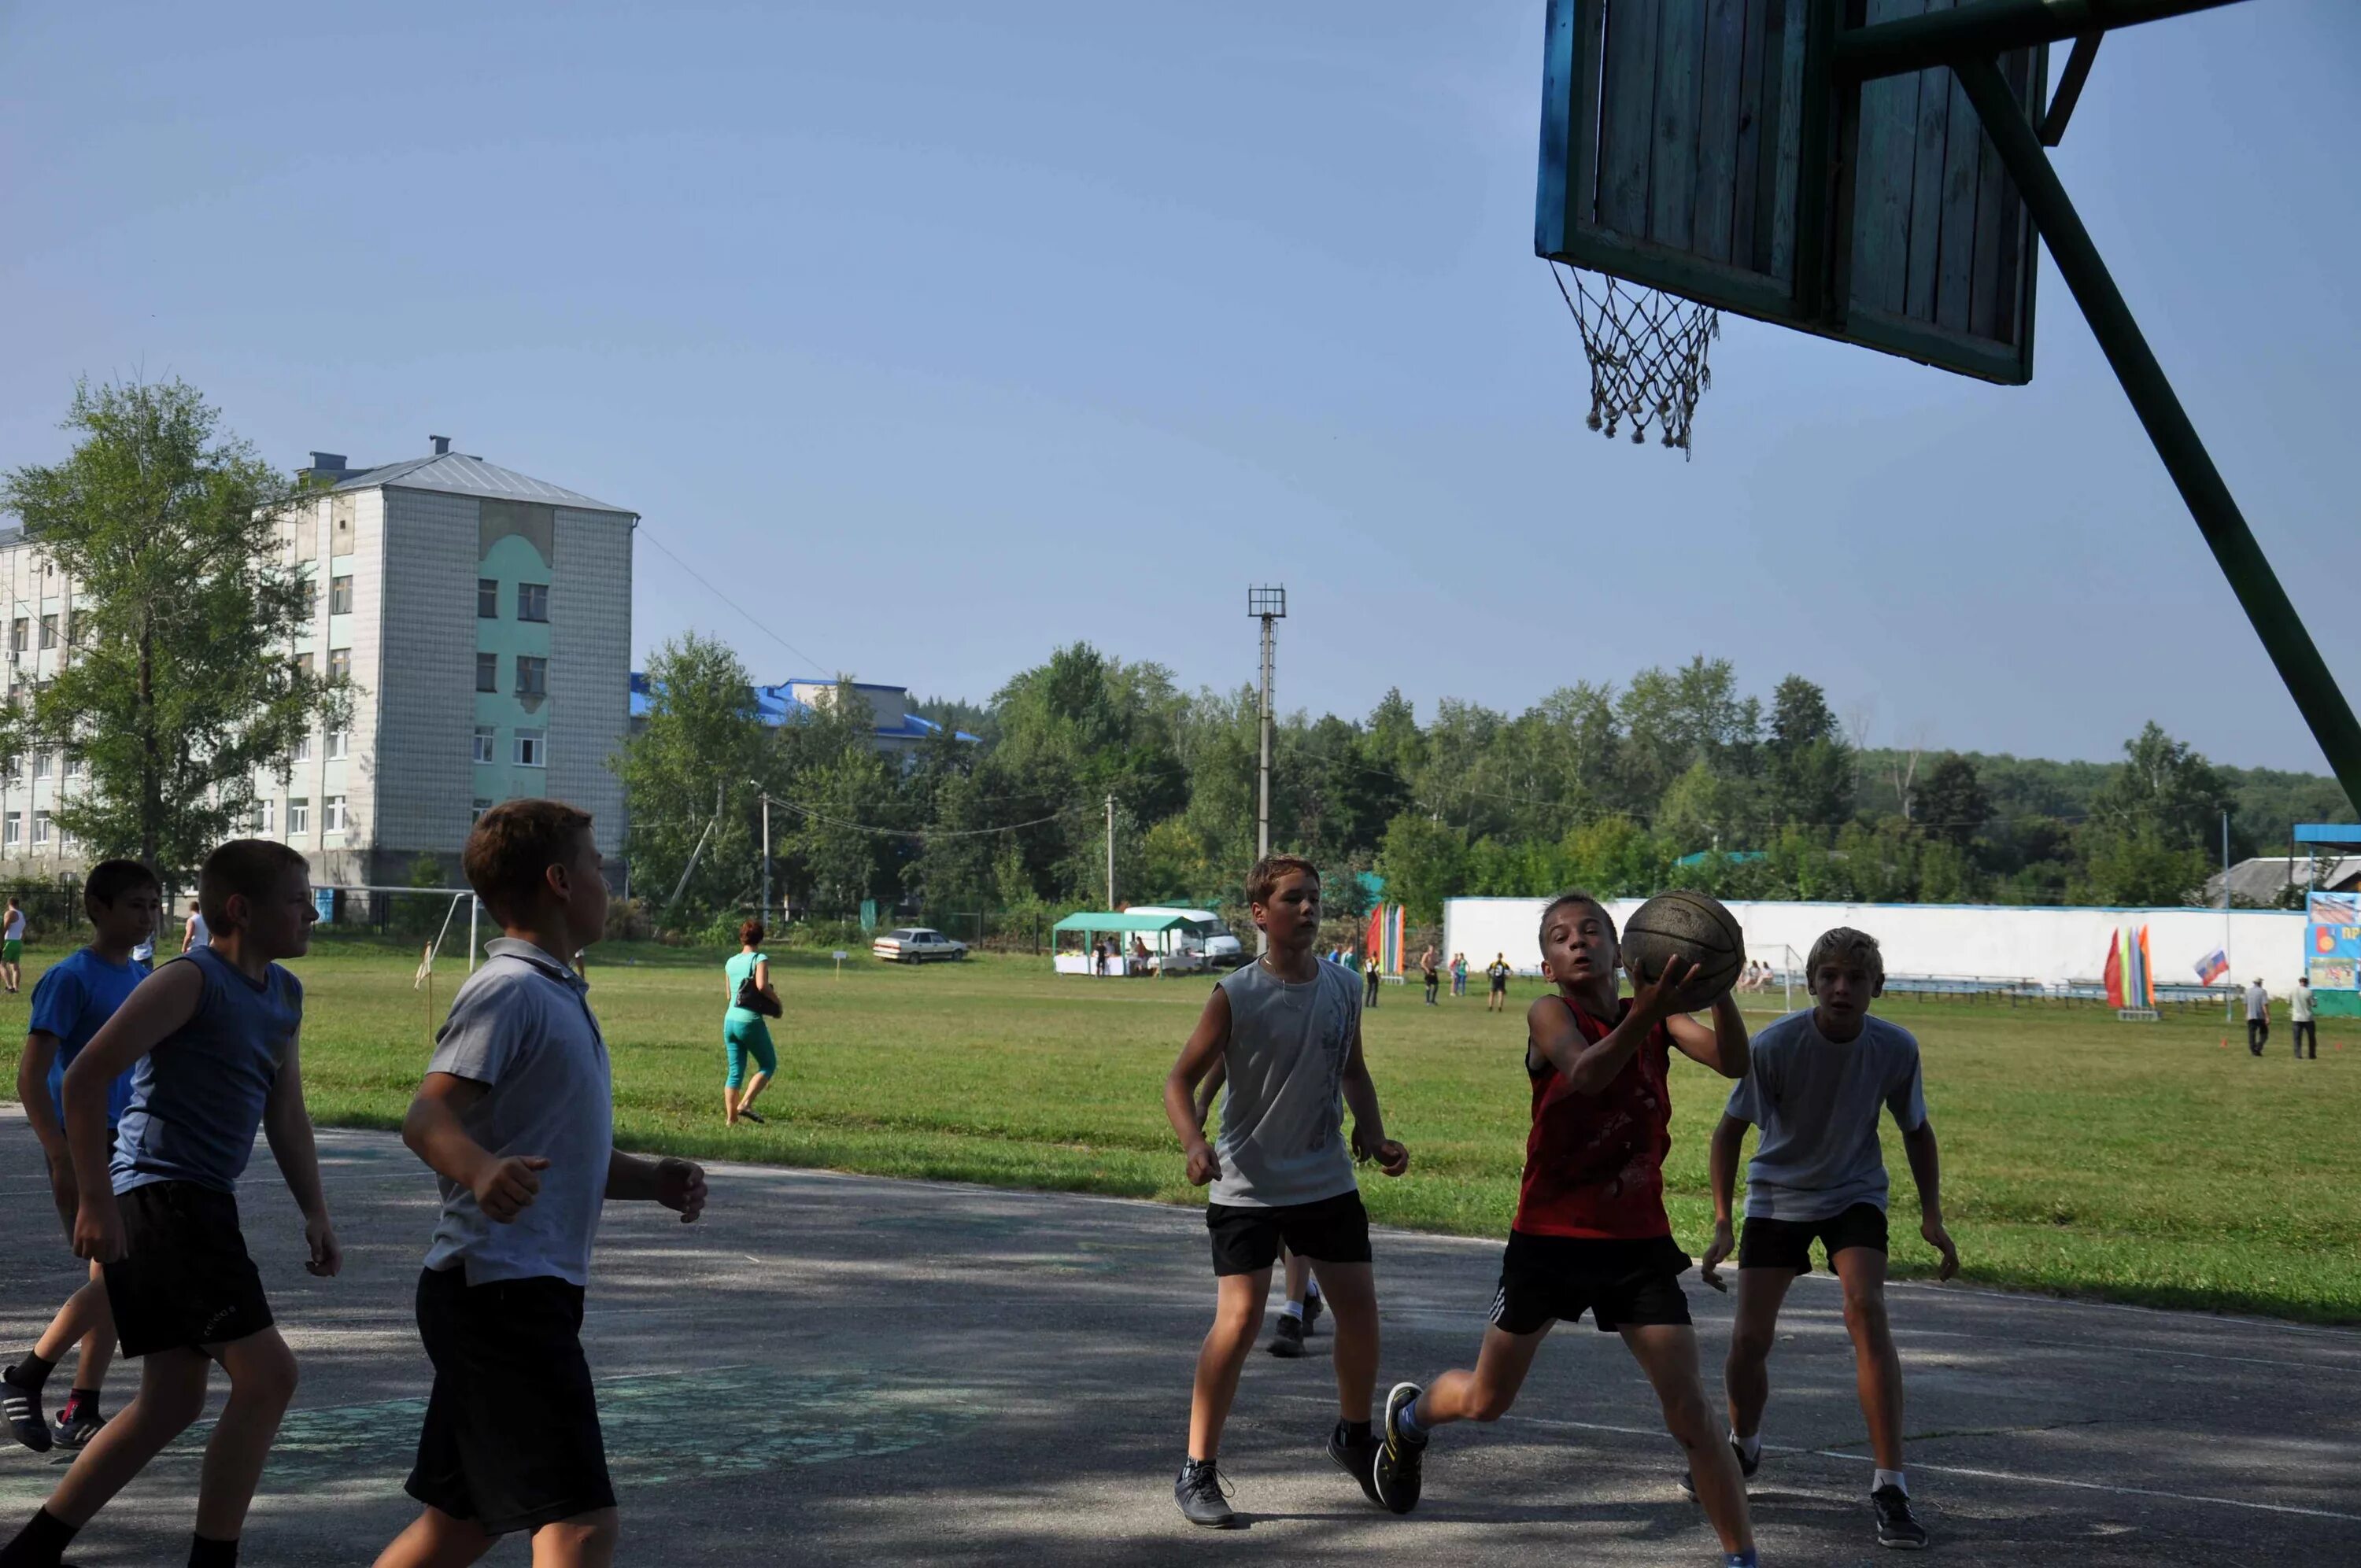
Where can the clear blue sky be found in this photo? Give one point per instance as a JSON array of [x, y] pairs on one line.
[[939, 334]]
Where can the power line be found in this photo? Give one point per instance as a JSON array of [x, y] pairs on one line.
[[752, 618]]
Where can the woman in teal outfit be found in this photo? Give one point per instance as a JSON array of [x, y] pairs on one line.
[[744, 1033]]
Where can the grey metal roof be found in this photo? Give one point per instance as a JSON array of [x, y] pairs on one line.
[[459, 475], [2262, 879]]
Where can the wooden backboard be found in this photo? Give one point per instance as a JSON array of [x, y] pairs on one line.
[[1677, 138]]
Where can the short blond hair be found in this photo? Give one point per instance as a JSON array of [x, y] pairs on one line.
[[1844, 942]]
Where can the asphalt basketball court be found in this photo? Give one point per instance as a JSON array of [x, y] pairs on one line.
[[849, 1370]]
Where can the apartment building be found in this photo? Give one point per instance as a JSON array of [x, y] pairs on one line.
[[483, 617]]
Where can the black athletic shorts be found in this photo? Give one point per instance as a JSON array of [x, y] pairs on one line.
[[1334, 1229], [184, 1278], [1621, 1283], [512, 1439], [1787, 1244]]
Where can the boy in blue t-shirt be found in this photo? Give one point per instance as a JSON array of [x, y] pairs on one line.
[[73, 998], [214, 1037]]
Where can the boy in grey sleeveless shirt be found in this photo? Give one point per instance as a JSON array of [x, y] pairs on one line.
[[1285, 1031]]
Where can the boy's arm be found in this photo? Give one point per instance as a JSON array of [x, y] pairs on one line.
[[288, 1126], [1590, 1066], [1729, 1141], [33, 1092], [1926, 1170], [163, 1003], [677, 1184], [1210, 1086], [503, 1187], [1722, 1048], [1198, 1056], [1369, 1140]]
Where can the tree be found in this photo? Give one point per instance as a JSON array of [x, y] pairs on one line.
[[2165, 785], [1423, 863], [1810, 768], [1951, 802], [702, 732], [178, 684]]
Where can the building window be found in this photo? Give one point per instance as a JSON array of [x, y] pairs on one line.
[[488, 599], [337, 820], [77, 766], [49, 632], [488, 671], [12, 832], [533, 601], [303, 665], [340, 595], [486, 739], [481, 807], [303, 752], [532, 675], [19, 632], [532, 750], [340, 664], [266, 818], [67, 844], [299, 815], [40, 765], [40, 829], [340, 744]]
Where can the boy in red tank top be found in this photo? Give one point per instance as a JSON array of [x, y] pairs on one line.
[[1590, 1233]]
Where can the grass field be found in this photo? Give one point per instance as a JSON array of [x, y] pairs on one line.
[[2146, 1163]]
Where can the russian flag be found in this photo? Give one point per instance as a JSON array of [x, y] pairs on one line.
[[2213, 966]]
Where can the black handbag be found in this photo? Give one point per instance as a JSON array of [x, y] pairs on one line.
[[754, 999]]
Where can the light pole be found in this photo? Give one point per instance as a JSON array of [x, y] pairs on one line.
[[1268, 605], [1110, 811], [766, 849]]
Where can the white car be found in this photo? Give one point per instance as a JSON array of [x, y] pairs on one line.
[[916, 945], [1204, 934]]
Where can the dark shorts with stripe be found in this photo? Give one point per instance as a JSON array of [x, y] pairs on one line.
[[184, 1279], [1621, 1283]]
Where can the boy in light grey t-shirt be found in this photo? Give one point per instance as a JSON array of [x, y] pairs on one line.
[[1815, 1085], [1286, 1031]]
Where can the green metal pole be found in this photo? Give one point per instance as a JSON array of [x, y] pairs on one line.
[[2242, 560], [1984, 28]]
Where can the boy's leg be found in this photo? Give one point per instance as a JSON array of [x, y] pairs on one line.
[[1486, 1393], [1877, 1370], [435, 1540], [1352, 1294], [1237, 1319], [586, 1541], [171, 1394], [1667, 1352], [261, 1384], [1746, 1374]]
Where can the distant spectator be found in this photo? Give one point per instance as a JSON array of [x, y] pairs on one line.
[[1459, 974], [1427, 971], [1370, 981], [2299, 1014], [195, 935], [1496, 971], [2258, 1018], [12, 947]]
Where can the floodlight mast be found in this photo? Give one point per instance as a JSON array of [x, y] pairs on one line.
[[1269, 606]]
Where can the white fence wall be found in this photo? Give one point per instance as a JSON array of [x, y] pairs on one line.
[[1992, 941]]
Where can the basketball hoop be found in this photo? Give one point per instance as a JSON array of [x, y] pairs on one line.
[[1647, 352]]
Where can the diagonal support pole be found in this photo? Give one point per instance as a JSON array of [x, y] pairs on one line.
[[2242, 560]]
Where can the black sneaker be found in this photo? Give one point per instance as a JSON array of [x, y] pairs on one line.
[[1203, 1496], [21, 1406], [1287, 1339], [1401, 1458], [1312, 1311], [1894, 1524], [750, 1116], [76, 1424], [1746, 1467], [1356, 1457]]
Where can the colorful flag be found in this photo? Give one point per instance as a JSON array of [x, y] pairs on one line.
[[2213, 966], [2113, 973]]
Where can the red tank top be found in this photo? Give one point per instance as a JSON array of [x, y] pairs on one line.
[[1594, 1163]]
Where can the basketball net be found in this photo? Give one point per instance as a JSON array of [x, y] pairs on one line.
[[1647, 352]]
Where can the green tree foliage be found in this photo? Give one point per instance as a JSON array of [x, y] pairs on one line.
[[702, 735], [178, 685]]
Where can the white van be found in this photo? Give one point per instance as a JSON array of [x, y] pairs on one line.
[[1204, 934]]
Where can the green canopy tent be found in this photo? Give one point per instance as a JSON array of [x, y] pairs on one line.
[[1087, 926]]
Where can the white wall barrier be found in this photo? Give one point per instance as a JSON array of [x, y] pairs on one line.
[[2049, 946]]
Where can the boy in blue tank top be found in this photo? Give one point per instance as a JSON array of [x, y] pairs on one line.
[[214, 1037], [77, 994], [1285, 1031]]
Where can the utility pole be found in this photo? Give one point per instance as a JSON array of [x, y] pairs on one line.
[[1110, 811], [2230, 1002], [1269, 606]]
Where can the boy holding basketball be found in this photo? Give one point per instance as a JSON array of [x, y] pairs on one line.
[[1286, 1030], [1590, 1233], [214, 1037], [1818, 1081]]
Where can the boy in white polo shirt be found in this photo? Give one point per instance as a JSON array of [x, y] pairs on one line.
[[516, 1116], [1815, 1084]]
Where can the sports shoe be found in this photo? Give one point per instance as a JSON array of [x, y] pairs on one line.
[[1312, 1311], [1401, 1458], [1746, 1469], [750, 1116], [22, 1408], [1203, 1496], [1894, 1524], [76, 1424], [1287, 1338], [1356, 1457]]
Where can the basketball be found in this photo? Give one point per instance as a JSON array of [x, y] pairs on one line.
[[1691, 927]]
